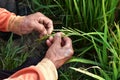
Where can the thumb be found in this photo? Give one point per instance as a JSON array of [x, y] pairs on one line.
[[57, 38]]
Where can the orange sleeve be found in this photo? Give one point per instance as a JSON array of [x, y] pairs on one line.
[[4, 19], [44, 70], [30, 73]]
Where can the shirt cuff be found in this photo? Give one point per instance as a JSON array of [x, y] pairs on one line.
[[4, 19], [48, 69]]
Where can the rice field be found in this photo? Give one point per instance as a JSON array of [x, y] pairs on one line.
[[93, 26]]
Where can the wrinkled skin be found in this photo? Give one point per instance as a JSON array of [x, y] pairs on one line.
[[33, 22], [60, 49], [38, 22]]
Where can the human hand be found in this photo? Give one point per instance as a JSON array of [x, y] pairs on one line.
[[26, 24], [60, 49]]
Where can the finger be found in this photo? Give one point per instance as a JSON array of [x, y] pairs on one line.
[[57, 39], [50, 27], [67, 42], [49, 41], [68, 46], [41, 29], [47, 23]]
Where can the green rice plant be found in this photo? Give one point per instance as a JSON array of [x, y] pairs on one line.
[[109, 66], [85, 15], [43, 6], [88, 73], [11, 56], [95, 42]]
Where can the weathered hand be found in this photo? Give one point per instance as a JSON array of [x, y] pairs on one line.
[[26, 24], [60, 49]]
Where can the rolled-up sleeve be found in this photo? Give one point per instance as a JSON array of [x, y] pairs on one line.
[[4, 19], [45, 70]]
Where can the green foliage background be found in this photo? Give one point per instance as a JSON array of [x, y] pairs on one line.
[[90, 24], [96, 37]]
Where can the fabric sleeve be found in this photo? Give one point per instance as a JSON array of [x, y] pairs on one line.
[[48, 69], [45, 70], [4, 19]]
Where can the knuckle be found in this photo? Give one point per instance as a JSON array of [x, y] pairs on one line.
[[68, 40], [44, 32], [42, 29], [51, 22], [69, 52], [37, 13]]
